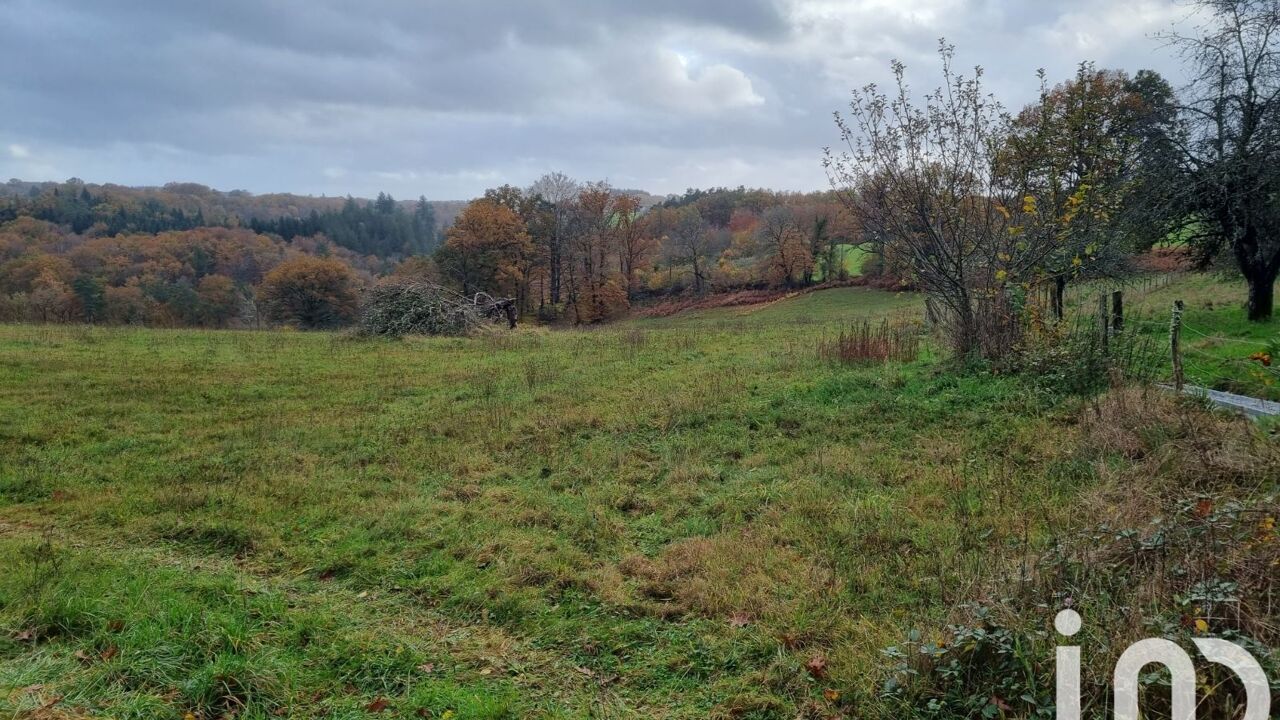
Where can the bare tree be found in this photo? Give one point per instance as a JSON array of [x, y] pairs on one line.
[[690, 243], [559, 191], [1228, 142], [923, 178]]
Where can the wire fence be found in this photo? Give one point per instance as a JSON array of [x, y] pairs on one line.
[[1210, 359]]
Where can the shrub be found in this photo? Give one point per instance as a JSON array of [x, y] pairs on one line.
[[1073, 360]]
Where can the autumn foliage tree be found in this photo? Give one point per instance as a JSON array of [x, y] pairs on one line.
[[596, 290], [787, 255], [310, 293], [486, 250], [1071, 157], [634, 239]]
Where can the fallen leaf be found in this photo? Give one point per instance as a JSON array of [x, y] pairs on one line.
[[817, 666], [1201, 625], [377, 705], [115, 625], [739, 620], [109, 653], [487, 671], [427, 667], [25, 636], [1204, 508], [363, 594], [82, 656], [585, 671], [1004, 706], [831, 695]]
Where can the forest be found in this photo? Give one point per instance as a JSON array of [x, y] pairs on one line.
[[191, 257]]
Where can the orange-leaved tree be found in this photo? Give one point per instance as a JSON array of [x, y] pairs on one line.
[[486, 249], [310, 293]]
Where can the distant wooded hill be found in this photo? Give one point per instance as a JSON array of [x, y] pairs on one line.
[[383, 226], [219, 206]]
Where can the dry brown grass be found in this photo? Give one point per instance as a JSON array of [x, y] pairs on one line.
[[741, 578], [1175, 444], [1198, 478], [865, 342], [1175, 537]]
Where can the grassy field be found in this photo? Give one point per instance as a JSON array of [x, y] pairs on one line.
[[852, 256], [1219, 343], [1221, 349], [680, 518]]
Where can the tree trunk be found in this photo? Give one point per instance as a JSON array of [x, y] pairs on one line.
[[1262, 289], [555, 271], [1059, 295]]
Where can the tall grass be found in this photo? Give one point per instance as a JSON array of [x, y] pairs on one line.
[[868, 342]]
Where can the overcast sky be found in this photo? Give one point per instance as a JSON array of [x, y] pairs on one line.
[[449, 97]]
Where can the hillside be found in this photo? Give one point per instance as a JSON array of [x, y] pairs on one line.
[[682, 517], [227, 206]]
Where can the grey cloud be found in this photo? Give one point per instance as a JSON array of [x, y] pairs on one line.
[[447, 98]]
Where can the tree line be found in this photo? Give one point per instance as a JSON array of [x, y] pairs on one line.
[[203, 277], [383, 227], [565, 250], [584, 251]]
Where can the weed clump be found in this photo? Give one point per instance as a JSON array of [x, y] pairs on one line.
[[1077, 359], [867, 343]]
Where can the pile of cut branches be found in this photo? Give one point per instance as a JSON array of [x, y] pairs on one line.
[[416, 307]]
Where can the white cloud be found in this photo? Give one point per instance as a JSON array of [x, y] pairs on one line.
[[1101, 30], [677, 83], [19, 152]]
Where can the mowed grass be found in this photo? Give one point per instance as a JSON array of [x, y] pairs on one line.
[[664, 518]]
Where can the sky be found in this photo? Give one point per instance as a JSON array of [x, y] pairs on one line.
[[445, 98]]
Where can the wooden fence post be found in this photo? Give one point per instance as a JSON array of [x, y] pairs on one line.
[[1117, 311], [1175, 344]]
